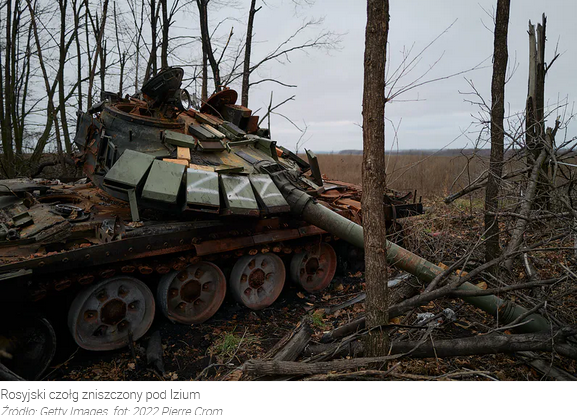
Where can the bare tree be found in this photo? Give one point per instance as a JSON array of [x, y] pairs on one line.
[[374, 180], [207, 49], [247, 51], [137, 15], [500, 57], [151, 67], [98, 26]]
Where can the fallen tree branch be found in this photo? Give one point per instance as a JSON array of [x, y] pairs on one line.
[[356, 299], [273, 367], [491, 291], [405, 289], [476, 185], [291, 346], [476, 345]]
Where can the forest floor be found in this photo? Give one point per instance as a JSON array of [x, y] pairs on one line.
[[234, 335]]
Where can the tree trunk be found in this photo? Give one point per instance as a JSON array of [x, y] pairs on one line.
[[151, 66], [206, 43], [103, 55], [290, 347], [121, 55], [467, 346], [247, 52], [500, 57], [373, 180], [99, 33], [204, 92], [26, 67], [525, 210], [165, 27], [63, 4], [5, 108], [77, 7]]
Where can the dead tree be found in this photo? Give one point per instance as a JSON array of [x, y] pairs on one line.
[[244, 69], [8, 104], [247, 51], [77, 6], [122, 58], [63, 46], [376, 273], [50, 89], [137, 15], [207, 50], [98, 25], [536, 137], [540, 141], [151, 67], [500, 57]]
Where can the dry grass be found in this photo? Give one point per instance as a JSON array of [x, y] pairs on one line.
[[430, 175]]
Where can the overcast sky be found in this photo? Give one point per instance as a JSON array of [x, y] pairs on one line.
[[329, 92]]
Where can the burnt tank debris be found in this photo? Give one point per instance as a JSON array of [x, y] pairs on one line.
[[180, 206]]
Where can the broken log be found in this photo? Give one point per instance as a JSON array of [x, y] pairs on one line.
[[468, 346], [290, 347], [346, 329], [279, 368], [477, 345]]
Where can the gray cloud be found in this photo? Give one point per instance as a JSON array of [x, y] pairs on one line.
[[329, 93]]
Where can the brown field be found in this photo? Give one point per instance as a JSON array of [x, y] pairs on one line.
[[430, 175]]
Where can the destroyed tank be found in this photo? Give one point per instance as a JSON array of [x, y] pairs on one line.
[[179, 207]]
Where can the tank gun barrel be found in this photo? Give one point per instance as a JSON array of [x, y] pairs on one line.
[[305, 206]]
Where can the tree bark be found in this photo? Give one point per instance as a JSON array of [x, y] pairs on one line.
[[206, 43], [291, 346], [275, 367], [247, 52], [99, 33], [77, 6], [63, 51], [525, 210], [5, 106], [165, 27], [121, 54], [151, 67], [373, 180], [204, 92], [500, 57], [467, 346]]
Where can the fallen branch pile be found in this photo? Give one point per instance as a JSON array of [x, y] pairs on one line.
[[338, 354]]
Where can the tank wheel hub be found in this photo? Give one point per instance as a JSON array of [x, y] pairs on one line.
[[101, 316], [314, 268], [257, 281], [193, 295]]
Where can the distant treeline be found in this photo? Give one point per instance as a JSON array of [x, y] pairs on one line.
[[414, 152]]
